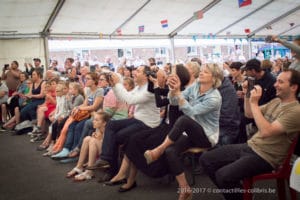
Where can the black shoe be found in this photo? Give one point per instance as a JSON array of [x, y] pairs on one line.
[[99, 165], [119, 182], [127, 189]]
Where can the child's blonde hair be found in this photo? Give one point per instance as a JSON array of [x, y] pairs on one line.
[[77, 87]]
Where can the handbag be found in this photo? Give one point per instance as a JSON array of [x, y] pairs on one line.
[[81, 115]]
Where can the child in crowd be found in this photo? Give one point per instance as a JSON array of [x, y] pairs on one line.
[[91, 148], [75, 98], [46, 109], [59, 116]]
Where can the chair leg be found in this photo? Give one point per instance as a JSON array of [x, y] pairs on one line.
[[281, 189], [247, 184], [293, 194], [193, 169]]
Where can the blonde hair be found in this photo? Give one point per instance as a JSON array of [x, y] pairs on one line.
[[217, 74], [195, 68], [77, 87], [130, 82]]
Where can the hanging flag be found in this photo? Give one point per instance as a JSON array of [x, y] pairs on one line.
[[119, 32], [198, 14], [247, 30], [141, 29], [243, 3], [101, 35], [164, 23]]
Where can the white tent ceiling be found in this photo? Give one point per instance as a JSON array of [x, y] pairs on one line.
[[102, 18]]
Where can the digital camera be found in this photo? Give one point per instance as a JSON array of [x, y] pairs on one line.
[[251, 83]]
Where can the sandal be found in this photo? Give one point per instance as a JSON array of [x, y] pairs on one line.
[[85, 165], [74, 153], [42, 147], [73, 172], [83, 176]]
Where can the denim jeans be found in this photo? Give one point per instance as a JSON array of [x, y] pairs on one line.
[[73, 135], [117, 132], [87, 130], [228, 165], [29, 111]]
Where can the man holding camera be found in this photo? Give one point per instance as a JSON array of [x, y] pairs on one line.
[[117, 132], [37, 65], [262, 78], [278, 126]]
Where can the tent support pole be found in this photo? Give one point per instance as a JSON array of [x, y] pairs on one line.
[[249, 48], [172, 50], [46, 51]]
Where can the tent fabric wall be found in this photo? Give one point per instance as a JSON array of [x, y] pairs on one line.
[[21, 50]]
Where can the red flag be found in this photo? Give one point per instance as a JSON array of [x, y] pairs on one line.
[[247, 30], [243, 3], [198, 14], [119, 31]]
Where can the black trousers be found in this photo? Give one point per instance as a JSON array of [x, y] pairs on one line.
[[57, 127], [228, 165], [195, 138]]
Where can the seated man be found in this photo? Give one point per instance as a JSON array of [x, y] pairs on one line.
[[117, 132], [278, 125]]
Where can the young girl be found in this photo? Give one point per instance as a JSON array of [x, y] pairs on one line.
[[61, 112], [60, 128], [91, 148], [44, 110]]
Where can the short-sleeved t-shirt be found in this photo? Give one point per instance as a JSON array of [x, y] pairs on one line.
[[91, 96], [274, 149]]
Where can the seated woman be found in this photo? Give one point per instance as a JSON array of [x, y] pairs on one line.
[[18, 99], [37, 97], [91, 148], [201, 104], [142, 141]]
